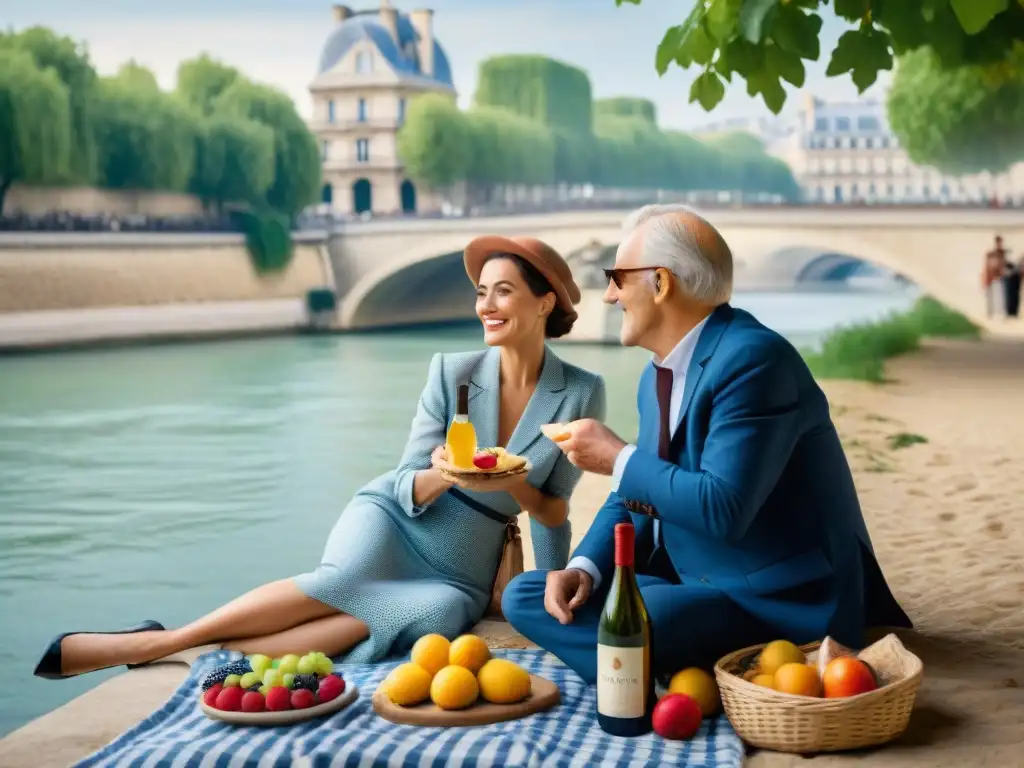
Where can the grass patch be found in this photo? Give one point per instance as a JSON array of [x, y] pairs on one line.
[[860, 351], [905, 440]]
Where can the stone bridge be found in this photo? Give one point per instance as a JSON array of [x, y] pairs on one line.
[[391, 273]]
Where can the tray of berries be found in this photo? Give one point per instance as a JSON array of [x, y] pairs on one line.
[[258, 690]]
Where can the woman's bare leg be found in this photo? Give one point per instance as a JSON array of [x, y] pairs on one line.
[[265, 610], [333, 635]]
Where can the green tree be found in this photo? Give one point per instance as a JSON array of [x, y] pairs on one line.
[[134, 75], [766, 42], [965, 121], [627, 106], [433, 143], [35, 122], [507, 148], [235, 161], [146, 138], [296, 154], [553, 93], [202, 80], [71, 62]]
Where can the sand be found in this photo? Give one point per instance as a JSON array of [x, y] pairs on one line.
[[946, 517]]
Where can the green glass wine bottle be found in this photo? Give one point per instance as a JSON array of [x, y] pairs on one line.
[[625, 689]]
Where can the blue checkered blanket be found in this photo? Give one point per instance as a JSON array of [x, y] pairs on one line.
[[179, 735]]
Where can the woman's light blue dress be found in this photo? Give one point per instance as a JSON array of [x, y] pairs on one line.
[[407, 571]]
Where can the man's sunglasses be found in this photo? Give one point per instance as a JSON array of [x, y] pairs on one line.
[[616, 275]]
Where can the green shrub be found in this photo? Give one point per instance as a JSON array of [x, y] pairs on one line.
[[860, 351], [269, 239]]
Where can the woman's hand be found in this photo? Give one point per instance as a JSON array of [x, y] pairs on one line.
[[439, 457]]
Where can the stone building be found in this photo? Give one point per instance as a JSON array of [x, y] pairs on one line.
[[847, 153], [371, 66]]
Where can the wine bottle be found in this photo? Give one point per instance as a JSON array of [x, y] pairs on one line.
[[625, 690], [461, 435]]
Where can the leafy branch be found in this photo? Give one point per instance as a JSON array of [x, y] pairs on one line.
[[766, 42]]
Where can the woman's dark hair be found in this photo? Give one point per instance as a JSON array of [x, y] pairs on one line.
[[559, 322]]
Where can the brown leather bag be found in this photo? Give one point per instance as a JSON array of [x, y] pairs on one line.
[[510, 566]]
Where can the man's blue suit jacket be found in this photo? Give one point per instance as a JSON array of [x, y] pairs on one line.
[[757, 499]]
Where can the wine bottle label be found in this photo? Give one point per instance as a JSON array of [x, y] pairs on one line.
[[620, 681]]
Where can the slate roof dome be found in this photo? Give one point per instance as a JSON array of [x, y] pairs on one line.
[[402, 55]]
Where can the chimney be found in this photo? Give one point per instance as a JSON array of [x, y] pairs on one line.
[[389, 18], [423, 23], [341, 13]]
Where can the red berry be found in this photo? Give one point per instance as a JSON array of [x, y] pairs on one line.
[[253, 702], [676, 716], [303, 698], [279, 699], [210, 697], [485, 460], [230, 699], [330, 688]]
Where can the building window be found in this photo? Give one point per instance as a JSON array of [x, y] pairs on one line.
[[883, 142], [401, 111], [867, 124], [361, 110], [325, 147], [821, 124], [842, 123], [362, 150], [364, 62], [330, 111]]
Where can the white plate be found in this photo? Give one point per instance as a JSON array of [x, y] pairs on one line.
[[288, 716]]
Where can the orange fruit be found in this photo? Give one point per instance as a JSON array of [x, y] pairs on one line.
[[798, 679], [777, 653], [847, 676], [454, 688], [503, 682], [408, 684], [768, 681], [431, 652], [699, 686], [469, 651]]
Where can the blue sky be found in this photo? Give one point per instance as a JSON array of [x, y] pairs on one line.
[[279, 42]]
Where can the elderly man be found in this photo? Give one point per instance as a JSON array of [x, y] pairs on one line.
[[748, 527]]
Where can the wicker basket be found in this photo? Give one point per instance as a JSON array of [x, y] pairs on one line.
[[802, 724]]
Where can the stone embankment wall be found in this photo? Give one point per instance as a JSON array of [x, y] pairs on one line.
[[97, 271], [89, 201]]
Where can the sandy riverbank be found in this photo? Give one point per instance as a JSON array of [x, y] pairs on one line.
[[947, 518]]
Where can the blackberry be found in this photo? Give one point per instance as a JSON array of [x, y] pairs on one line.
[[254, 688], [309, 682], [220, 674]]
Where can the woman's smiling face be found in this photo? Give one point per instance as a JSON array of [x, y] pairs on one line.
[[506, 306]]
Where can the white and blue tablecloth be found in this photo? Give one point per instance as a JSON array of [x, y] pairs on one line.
[[179, 735]]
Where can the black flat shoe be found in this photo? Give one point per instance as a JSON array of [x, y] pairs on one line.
[[49, 665]]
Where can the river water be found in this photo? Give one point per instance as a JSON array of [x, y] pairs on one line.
[[161, 481]]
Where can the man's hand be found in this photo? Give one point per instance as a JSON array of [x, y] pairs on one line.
[[591, 446], [565, 591]]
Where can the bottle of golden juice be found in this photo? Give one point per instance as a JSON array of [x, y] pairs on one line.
[[461, 435]]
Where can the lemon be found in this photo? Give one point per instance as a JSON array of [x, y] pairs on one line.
[[699, 686], [777, 653], [798, 678], [431, 652], [454, 688], [469, 651], [503, 682], [408, 684]]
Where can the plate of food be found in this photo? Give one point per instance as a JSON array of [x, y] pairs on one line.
[[258, 690], [459, 683], [489, 463]]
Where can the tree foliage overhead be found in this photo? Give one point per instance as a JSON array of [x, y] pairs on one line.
[[766, 42], [537, 87], [965, 121]]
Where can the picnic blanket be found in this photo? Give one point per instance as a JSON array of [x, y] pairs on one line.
[[179, 735]]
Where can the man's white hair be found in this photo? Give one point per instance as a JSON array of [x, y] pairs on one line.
[[695, 252]]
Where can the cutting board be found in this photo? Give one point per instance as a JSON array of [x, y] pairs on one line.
[[544, 695]]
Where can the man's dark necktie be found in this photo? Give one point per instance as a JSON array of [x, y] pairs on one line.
[[665, 406]]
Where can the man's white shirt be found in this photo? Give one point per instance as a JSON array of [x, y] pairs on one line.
[[678, 361]]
